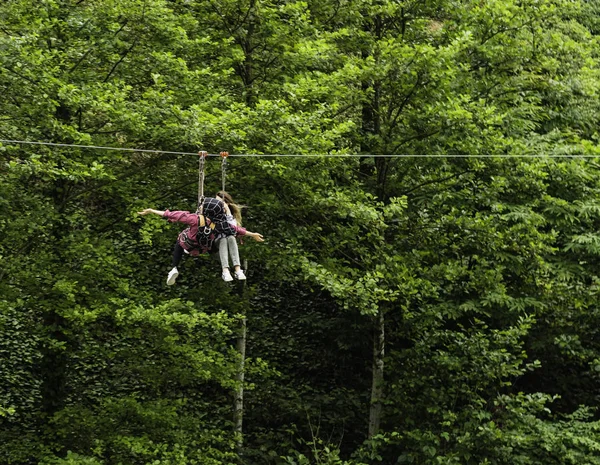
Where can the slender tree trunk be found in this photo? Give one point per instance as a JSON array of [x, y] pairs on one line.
[[371, 144], [370, 112], [54, 366], [248, 68], [377, 377], [381, 167], [239, 393], [238, 414]]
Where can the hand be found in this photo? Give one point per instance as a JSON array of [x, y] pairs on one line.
[[147, 211], [257, 237]]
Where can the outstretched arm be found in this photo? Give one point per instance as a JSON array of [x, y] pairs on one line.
[[256, 236], [244, 232], [151, 210], [178, 216]]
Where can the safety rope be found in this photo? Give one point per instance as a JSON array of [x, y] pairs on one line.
[[224, 156], [202, 157]]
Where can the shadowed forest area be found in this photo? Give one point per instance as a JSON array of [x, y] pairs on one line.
[[438, 306]]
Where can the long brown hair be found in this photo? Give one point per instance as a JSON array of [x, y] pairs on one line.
[[236, 210]]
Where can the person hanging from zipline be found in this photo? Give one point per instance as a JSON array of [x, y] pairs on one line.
[[226, 245], [213, 221], [205, 227]]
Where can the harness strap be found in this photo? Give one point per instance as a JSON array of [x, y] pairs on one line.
[[204, 229]]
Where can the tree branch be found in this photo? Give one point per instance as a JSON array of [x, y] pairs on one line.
[[436, 181]]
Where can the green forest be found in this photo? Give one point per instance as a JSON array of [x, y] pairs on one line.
[[426, 177]]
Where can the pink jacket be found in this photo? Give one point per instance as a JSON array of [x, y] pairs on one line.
[[192, 220]]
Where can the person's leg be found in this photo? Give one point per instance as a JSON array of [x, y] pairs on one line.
[[222, 245], [177, 255], [235, 257], [233, 251]]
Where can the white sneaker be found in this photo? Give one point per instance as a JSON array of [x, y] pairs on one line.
[[172, 276], [239, 274], [226, 275]]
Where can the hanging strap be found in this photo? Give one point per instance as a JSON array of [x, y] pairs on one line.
[[224, 156], [202, 156]]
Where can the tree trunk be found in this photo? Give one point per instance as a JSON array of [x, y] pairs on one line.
[[239, 393], [371, 144], [248, 47], [55, 361], [238, 413], [377, 377]]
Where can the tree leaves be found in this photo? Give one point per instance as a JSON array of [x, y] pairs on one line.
[[483, 271]]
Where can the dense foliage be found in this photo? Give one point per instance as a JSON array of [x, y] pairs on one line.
[[425, 309]]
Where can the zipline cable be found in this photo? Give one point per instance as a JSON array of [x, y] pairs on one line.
[[349, 155], [124, 149]]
